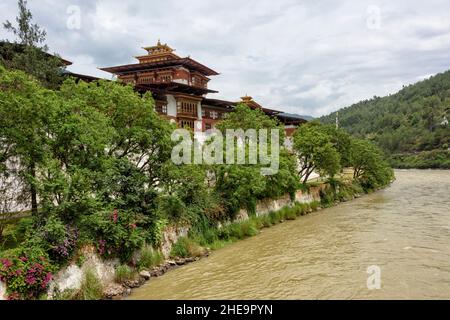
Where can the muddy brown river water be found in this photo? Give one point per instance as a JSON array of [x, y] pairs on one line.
[[404, 230]]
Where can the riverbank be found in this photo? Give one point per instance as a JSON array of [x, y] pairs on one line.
[[434, 159], [182, 244], [319, 196], [403, 229]]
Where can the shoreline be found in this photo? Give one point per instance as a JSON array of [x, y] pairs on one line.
[[179, 247], [175, 263]]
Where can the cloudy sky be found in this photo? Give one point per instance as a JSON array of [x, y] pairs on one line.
[[307, 57]]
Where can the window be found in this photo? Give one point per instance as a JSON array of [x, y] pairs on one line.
[[214, 115], [189, 108], [208, 126], [166, 78], [186, 123], [161, 108]]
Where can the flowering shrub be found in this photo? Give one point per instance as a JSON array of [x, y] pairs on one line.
[[56, 238], [26, 272], [63, 249], [117, 232]]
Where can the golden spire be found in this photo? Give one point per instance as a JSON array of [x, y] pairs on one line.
[[159, 48], [246, 98]]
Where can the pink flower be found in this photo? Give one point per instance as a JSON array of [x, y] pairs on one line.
[[101, 246], [23, 259], [13, 296], [6, 263], [48, 277], [115, 216], [133, 226], [38, 266], [30, 280]]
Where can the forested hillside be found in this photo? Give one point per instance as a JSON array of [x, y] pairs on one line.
[[411, 126]]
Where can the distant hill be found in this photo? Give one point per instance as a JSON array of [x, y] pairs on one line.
[[411, 126], [294, 115]]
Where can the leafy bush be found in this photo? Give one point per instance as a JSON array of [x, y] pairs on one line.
[[59, 239], [26, 272], [327, 197], [173, 207], [155, 230], [118, 233]]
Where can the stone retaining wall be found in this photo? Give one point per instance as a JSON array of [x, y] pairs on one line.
[[2, 291], [265, 206]]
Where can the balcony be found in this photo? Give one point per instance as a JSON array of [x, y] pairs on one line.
[[188, 114]]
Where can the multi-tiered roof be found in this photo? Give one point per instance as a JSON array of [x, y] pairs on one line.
[[162, 69]]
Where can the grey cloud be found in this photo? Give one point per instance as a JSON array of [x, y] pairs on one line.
[[308, 57]]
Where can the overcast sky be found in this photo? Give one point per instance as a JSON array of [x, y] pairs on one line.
[[307, 57]]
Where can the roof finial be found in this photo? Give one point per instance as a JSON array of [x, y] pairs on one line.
[[159, 42]]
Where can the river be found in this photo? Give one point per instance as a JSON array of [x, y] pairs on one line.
[[404, 230]]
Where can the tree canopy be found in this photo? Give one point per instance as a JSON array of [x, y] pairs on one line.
[[408, 125]]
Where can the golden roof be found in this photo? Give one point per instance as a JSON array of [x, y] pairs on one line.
[[159, 49], [248, 100]]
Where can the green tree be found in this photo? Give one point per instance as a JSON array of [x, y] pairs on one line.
[[315, 151], [405, 123], [29, 52], [240, 185], [341, 140], [25, 112], [368, 164], [28, 33], [140, 135]]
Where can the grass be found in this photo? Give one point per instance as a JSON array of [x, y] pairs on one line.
[[214, 239], [186, 247], [244, 229], [149, 258], [249, 228], [14, 232], [266, 221], [91, 288], [314, 205], [291, 213], [219, 244], [124, 273]]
